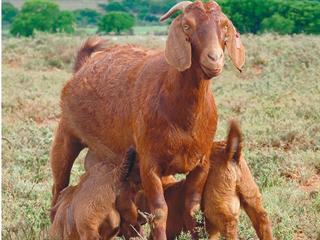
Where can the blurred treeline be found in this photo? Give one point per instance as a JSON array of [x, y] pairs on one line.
[[249, 16]]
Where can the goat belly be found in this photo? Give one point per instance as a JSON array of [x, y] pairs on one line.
[[183, 163]]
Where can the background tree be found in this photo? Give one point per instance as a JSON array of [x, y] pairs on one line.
[[247, 15], [305, 14], [42, 15], [301, 16], [8, 12], [65, 22], [113, 6], [86, 16], [277, 23], [116, 22]]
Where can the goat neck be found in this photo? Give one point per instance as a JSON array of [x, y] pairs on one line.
[[188, 95]]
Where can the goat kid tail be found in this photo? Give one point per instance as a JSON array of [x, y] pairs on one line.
[[128, 163], [91, 45]]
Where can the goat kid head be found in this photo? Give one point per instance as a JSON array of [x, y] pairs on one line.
[[200, 34]]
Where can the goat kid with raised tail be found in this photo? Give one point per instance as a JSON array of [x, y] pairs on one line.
[[229, 186], [101, 205], [126, 95]]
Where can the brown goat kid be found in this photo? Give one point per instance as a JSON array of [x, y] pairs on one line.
[[126, 96], [101, 204], [229, 186]]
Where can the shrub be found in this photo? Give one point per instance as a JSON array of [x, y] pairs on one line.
[[247, 15], [277, 23], [87, 16], [113, 7], [305, 14], [8, 12], [65, 22], [42, 15], [116, 22], [255, 15]]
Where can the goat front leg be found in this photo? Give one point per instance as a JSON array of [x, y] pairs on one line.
[[195, 182], [65, 149], [152, 185]]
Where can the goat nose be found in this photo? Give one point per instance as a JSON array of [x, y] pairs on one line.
[[215, 56]]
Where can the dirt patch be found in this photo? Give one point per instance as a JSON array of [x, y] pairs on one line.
[[299, 235], [42, 122], [312, 184]]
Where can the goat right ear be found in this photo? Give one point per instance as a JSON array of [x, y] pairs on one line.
[[178, 49], [234, 143], [235, 47]]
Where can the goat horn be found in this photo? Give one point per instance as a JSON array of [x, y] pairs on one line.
[[179, 6]]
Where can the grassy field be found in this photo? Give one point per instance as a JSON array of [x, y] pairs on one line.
[[276, 99]]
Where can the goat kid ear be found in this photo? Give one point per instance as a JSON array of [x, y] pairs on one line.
[[178, 48], [234, 143], [235, 47]]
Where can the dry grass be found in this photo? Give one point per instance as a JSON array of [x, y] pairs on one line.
[[276, 99]]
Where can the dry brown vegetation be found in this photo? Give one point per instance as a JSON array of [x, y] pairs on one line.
[[276, 99]]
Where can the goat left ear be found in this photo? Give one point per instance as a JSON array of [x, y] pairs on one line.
[[235, 47], [178, 49], [234, 143]]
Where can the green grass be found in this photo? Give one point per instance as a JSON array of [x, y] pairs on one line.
[[276, 99]]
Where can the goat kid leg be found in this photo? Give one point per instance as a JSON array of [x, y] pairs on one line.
[[258, 217], [64, 151], [214, 233], [195, 182], [230, 230], [129, 214], [152, 185]]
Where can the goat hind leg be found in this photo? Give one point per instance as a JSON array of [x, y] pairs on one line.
[[65, 150], [259, 218]]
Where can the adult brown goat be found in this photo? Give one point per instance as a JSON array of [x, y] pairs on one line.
[[126, 96]]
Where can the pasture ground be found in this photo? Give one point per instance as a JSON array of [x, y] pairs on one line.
[[276, 99]]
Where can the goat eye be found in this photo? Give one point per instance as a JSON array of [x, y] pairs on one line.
[[186, 27]]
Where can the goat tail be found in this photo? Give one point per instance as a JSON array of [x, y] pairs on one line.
[[128, 163], [91, 45]]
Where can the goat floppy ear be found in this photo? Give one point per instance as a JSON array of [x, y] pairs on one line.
[[178, 49], [234, 143], [235, 47]]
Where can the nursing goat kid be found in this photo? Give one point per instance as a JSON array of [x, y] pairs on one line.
[[101, 205], [126, 95]]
